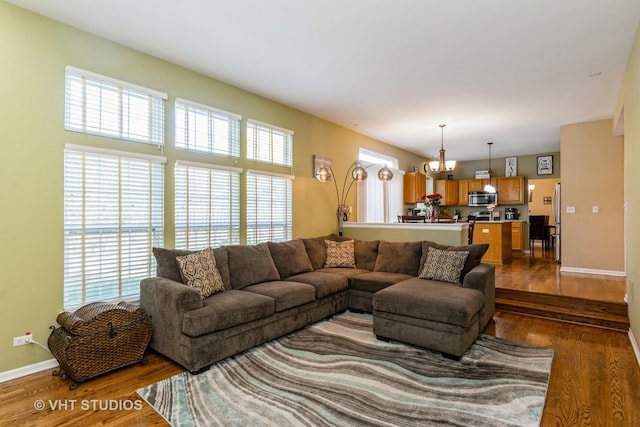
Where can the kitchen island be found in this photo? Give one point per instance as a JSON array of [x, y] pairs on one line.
[[498, 235], [446, 233]]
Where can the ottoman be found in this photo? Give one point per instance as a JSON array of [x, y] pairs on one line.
[[435, 315]]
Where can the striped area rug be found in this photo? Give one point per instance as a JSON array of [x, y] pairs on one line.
[[336, 373]]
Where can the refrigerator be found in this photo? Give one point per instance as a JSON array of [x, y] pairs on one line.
[[556, 208]]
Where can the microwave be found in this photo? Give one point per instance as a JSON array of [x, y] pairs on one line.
[[482, 198]]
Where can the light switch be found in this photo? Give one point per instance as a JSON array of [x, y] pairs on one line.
[[571, 209], [594, 208]]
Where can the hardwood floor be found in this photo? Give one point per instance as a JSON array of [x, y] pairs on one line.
[[595, 378]]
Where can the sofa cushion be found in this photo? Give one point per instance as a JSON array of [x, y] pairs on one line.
[[167, 266], [399, 257], [340, 254], [476, 251], [199, 271], [443, 265], [366, 253], [325, 283], [286, 294], [251, 264], [376, 280], [316, 250], [434, 301], [290, 257], [225, 310]]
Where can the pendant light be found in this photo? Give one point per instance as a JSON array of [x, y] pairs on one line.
[[490, 188], [442, 165]]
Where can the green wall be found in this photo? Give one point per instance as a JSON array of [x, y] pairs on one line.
[[33, 54]]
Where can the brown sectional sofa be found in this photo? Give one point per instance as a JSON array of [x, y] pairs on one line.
[[272, 289]]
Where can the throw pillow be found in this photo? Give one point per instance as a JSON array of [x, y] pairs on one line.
[[290, 257], [199, 271], [444, 265], [340, 254]]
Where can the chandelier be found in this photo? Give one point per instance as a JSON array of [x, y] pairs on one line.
[[442, 165]]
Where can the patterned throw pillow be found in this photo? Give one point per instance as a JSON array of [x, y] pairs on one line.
[[444, 265], [199, 271], [340, 254]]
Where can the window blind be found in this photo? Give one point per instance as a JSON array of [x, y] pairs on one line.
[[207, 206], [113, 216], [202, 128], [101, 105], [269, 212], [269, 144]]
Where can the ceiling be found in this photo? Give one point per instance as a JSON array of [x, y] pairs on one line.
[[509, 72]]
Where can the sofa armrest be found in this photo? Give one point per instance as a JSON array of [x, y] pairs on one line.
[[481, 277], [168, 295], [166, 302]]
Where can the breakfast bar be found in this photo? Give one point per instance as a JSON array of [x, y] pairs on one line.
[[446, 233]]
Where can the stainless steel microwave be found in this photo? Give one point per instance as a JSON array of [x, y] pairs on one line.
[[482, 198]]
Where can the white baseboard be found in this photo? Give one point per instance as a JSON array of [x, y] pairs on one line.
[[592, 271], [634, 344], [28, 370]]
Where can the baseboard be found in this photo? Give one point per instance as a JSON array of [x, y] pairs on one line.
[[592, 271], [634, 344], [28, 370]]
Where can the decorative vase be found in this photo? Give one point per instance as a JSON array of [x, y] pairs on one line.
[[433, 214]]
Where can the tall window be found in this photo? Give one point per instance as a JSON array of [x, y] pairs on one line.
[[104, 106], [269, 212], [269, 144], [202, 128], [206, 209], [379, 201], [113, 216]]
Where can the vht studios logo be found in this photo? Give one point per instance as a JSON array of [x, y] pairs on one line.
[[88, 405]]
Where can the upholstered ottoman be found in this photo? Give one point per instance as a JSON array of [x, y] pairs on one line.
[[432, 315]]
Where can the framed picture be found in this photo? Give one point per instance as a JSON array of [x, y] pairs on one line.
[[545, 165], [319, 161], [511, 166]]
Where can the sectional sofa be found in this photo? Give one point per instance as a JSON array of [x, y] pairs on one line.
[[271, 289]]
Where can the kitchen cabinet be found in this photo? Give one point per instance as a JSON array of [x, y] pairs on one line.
[[498, 235], [510, 190], [449, 190], [478, 184], [517, 236], [463, 192], [415, 186]]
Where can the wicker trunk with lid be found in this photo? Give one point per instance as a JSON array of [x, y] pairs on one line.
[[98, 338]]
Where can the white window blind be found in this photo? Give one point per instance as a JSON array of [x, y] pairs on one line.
[[269, 212], [207, 129], [113, 216], [269, 144], [207, 211], [104, 106]]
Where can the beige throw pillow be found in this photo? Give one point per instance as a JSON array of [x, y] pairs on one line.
[[444, 265], [340, 254], [199, 270]]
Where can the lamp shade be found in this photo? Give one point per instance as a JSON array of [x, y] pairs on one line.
[[323, 174], [385, 174]]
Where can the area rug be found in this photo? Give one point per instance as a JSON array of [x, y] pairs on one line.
[[336, 373]]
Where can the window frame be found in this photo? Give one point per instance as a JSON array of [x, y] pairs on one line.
[[260, 151], [256, 233]]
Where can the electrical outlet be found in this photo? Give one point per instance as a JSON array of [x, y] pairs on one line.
[[23, 340]]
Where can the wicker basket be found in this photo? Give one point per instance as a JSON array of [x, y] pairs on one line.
[[99, 338]]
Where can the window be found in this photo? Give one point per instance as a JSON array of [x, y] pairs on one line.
[[104, 106], [269, 213], [202, 128], [269, 144], [113, 216], [379, 201], [207, 205]]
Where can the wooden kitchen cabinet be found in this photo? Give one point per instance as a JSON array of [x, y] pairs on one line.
[[463, 192], [415, 186], [449, 190], [478, 184], [498, 235], [517, 236], [510, 190]]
